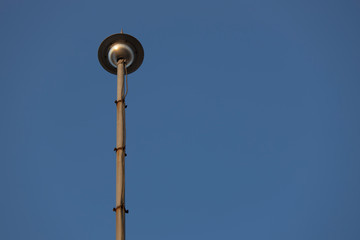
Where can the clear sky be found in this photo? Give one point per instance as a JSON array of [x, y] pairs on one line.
[[242, 122]]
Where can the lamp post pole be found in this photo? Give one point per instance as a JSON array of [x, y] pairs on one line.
[[120, 153]]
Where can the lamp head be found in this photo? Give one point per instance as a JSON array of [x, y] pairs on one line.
[[120, 46]]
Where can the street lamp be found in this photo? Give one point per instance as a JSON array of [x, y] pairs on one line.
[[120, 54]]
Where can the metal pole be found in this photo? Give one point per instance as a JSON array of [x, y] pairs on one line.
[[120, 153]]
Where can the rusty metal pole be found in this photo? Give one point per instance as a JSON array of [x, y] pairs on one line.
[[120, 153]]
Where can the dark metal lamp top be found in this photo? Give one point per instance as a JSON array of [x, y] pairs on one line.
[[120, 46]]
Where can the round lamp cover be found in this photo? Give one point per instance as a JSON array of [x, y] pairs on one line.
[[124, 44]]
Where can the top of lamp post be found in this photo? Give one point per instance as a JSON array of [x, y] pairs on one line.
[[120, 46]]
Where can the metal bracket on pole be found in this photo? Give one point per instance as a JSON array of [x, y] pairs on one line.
[[121, 100], [121, 207], [120, 148]]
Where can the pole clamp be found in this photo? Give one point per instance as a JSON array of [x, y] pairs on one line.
[[120, 148], [121, 100], [121, 207]]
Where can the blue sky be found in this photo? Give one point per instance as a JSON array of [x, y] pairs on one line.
[[242, 122]]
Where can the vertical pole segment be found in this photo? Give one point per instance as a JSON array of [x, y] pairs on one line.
[[120, 153]]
